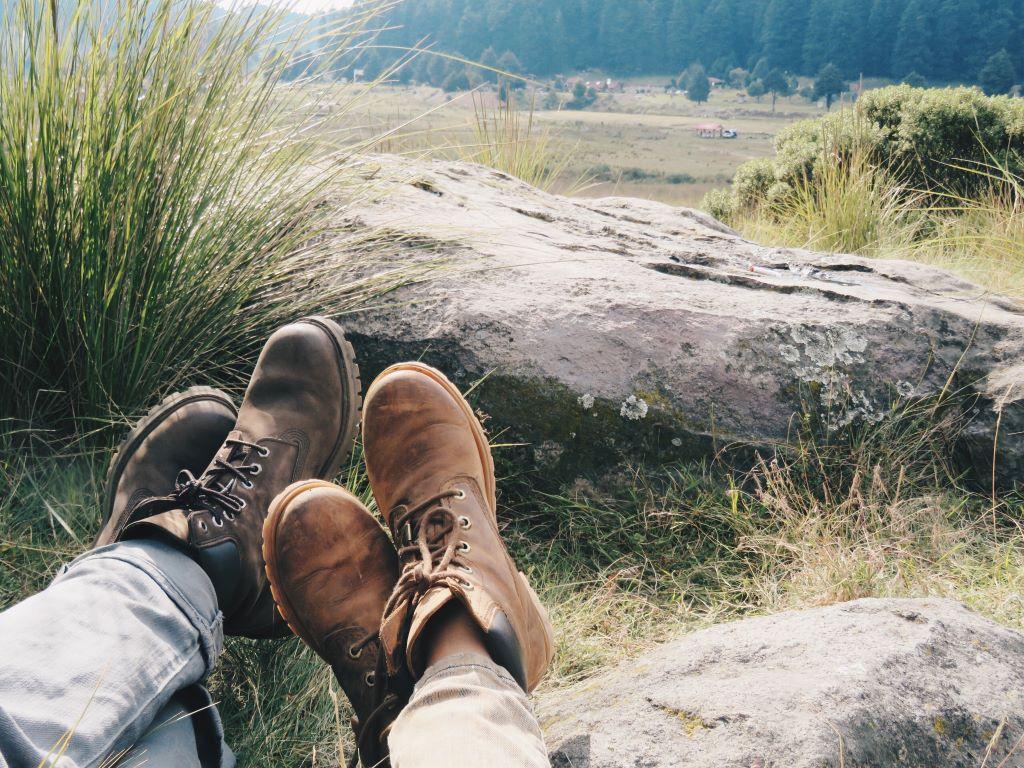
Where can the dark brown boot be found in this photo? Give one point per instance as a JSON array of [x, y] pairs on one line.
[[182, 432], [432, 475], [298, 421], [332, 569]]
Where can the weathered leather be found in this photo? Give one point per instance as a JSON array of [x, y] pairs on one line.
[[332, 568], [421, 440], [183, 432], [297, 421]]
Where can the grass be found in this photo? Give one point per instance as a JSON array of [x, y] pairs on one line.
[[623, 563], [159, 207], [855, 205], [510, 141]]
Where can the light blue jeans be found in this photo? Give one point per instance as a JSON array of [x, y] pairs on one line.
[[103, 667]]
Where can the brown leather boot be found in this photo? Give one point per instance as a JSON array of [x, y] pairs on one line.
[[182, 432], [332, 568], [432, 475], [298, 421]]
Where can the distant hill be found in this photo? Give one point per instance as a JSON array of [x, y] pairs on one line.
[[942, 40]]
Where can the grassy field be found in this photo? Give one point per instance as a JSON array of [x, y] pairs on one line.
[[626, 144], [622, 564]]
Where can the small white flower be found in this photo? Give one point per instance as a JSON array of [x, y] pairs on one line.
[[677, 442], [587, 401], [634, 408]]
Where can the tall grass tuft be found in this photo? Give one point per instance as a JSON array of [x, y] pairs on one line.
[[847, 202], [981, 237], [509, 140], [157, 201]]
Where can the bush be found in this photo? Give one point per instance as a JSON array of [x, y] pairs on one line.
[[752, 182], [720, 204], [927, 139], [157, 203]]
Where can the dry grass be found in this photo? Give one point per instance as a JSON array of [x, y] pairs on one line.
[[866, 511], [853, 205]]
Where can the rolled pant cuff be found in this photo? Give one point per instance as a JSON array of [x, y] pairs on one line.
[[179, 577], [456, 662]]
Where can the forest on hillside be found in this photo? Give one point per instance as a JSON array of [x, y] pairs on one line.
[[940, 40]]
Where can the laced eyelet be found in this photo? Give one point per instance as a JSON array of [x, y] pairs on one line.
[[461, 494], [248, 484], [465, 522], [241, 505], [467, 585], [464, 568], [230, 516], [256, 469], [370, 679], [464, 547], [218, 522], [264, 452], [354, 652]]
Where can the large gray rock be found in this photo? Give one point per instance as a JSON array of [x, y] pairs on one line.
[[622, 326], [867, 684]]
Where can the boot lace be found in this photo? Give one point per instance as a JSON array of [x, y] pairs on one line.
[[214, 491], [364, 731], [434, 560]]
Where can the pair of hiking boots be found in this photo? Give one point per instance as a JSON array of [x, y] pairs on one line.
[[244, 494]]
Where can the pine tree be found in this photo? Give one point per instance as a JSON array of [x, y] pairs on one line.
[[785, 24], [828, 84], [883, 22], [913, 50], [679, 35], [816, 44], [847, 38], [943, 40], [616, 42], [998, 76], [698, 87]]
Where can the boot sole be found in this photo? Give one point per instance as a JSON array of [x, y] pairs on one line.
[[275, 517], [353, 389], [482, 444], [154, 417]]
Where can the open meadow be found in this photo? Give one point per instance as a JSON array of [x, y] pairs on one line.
[[634, 144]]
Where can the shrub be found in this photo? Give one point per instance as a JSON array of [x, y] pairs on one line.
[[720, 204], [931, 139], [752, 182], [157, 202]]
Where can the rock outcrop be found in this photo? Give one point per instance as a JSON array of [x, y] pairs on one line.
[[621, 326], [867, 684]]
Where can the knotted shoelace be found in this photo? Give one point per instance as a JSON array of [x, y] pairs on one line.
[[426, 527], [214, 491]]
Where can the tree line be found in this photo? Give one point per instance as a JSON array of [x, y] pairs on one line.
[[938, 40]]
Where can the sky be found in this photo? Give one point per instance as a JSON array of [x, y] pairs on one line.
[[313, 6], [310, 6], [300, 6]]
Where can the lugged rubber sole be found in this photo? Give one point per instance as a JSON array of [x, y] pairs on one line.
[[144, 427], [353, 389]]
